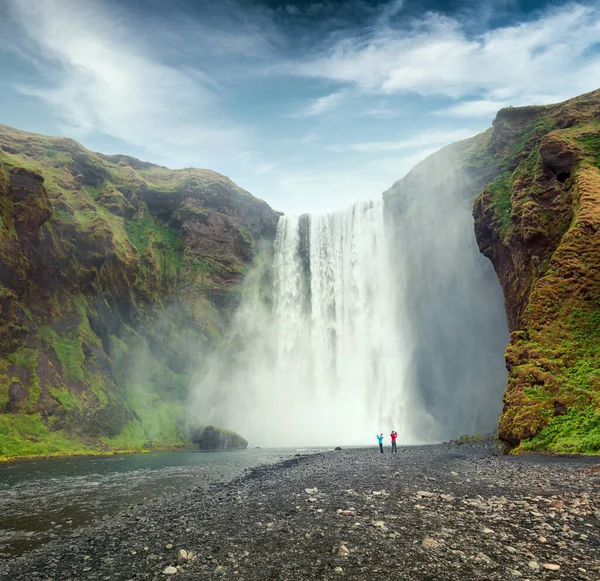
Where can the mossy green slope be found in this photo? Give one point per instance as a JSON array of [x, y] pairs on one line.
[[116, 278], [538, 221]]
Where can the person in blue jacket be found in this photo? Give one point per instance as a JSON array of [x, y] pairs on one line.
[[380, 440]]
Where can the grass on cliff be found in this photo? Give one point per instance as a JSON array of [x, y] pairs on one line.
[[501, 191], [27, 435]]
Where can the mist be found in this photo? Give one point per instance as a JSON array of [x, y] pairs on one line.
[[453, 306], [378, 317]]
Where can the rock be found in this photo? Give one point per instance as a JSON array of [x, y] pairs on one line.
[[220, 570], [183, 557], [338, 570], [534, 565], [343, 551], [487, 531], [338, 448], [168, 546], [551, 566], [211, 438], [311, 491], [425, 494], [170, 570], [429, 543]]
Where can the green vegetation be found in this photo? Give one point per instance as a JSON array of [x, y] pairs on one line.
[[100, 331], [27, 435], [542, 212], [578, 431], [501, 190]]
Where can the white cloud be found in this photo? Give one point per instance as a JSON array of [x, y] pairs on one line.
[[540, 60], [426, 138], [102, 81], [475, 108], [319, 106]]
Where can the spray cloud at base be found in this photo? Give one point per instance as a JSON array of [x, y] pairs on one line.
[[383, 316], [316, 355]]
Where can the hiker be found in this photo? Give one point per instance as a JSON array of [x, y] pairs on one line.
[[380, 440], [393, 436]]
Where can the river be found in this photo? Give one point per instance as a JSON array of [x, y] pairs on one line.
[[44, 499]]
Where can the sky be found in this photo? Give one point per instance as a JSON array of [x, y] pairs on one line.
[[309, 105]]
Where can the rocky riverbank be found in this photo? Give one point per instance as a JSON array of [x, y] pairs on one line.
[[428, 513]]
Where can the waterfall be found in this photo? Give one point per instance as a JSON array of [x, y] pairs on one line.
[[353, 324], [319, 357]]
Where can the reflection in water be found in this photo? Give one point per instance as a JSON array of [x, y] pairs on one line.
[[45, 499]]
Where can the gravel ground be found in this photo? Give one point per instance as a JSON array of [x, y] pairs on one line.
[[429, 513]]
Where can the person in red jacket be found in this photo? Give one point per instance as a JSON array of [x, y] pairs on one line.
[[394, 435]]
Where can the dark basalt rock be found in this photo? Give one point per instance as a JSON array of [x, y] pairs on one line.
[[211, 438]]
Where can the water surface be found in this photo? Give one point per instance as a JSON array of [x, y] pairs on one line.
[[43, 499]]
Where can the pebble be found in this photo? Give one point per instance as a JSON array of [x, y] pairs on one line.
[[429, 543], [551, 566], [170, 570], [343, 551], [486, 530]]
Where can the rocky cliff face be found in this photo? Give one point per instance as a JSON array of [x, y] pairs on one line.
[[538, 221], [116, 277]]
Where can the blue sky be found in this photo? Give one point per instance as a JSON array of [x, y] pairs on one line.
[[308, 105]]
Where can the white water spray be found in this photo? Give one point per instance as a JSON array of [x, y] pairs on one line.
[[323, 361]]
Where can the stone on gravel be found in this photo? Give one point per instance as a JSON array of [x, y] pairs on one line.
[[183, 557], [551, 566], [342, 551], [429, 543], [170, 570], [437, 539]]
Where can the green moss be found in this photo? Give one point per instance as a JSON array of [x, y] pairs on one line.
[[528, 138], [28, 359], [67, 399], [591, 145], [27, 435], [145, 231], [98, 388], [578, 431], [71, 356], [501, 191], [159, 417], [118, 348]]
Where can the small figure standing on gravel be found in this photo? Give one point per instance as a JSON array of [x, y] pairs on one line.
[[380, 440], [393, 436]]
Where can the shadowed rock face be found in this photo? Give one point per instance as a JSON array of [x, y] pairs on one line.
[[538, 222], [116, 277]]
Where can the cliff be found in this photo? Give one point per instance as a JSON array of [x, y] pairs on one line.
[[538, 221], [116, 278]]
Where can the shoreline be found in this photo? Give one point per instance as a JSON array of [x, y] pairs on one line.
[[435, 512], [92, 454]]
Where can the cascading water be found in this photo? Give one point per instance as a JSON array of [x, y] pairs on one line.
[[323, 359], [354, 324]]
